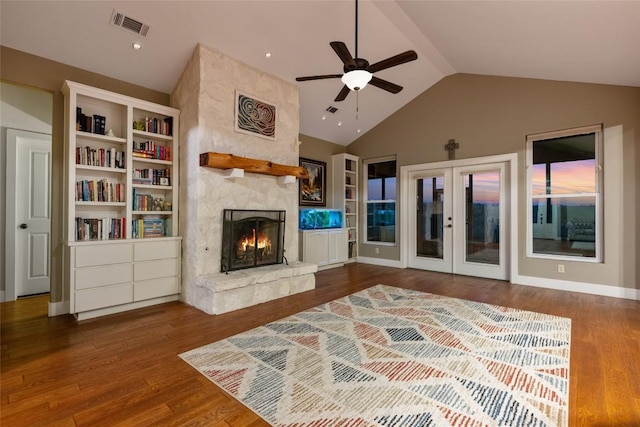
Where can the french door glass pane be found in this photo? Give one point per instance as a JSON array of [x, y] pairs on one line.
[[482, 215], [429, 227]]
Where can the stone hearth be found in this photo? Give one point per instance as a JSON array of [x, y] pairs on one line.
[[219, 293], [205, 95]]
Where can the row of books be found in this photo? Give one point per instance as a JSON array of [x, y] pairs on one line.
[[151, 150], [91, 124], [106, 158], [100, 228], [143, 228], [353, 250], [147, 202], [349, 194], [155, 125], [152, 176], [99, 191]]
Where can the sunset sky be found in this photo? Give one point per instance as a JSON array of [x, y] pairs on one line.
[[566, 177]]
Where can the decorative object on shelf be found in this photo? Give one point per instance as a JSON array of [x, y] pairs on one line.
[[264, 167], [138, 125], [255, 117], [313, 188]]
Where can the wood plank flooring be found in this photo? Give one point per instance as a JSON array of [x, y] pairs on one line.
[[124, 369]]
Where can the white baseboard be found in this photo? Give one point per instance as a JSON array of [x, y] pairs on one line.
[[585, 288], [58, 308], [380, 261]]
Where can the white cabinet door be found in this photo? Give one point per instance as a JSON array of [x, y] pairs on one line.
[[337, 245], [315, 247]]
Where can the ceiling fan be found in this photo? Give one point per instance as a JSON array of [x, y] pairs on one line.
[[358, 72]]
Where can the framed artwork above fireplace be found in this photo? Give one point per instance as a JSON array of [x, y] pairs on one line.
[[313, 189], [255, 116]]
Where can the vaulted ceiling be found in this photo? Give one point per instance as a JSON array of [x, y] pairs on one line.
[[581, 41]]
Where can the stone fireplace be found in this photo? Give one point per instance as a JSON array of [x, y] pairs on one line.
[[251, 238], [205, 95]]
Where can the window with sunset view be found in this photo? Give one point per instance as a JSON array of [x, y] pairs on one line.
[[564, 194]]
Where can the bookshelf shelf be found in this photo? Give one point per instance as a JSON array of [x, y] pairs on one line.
[[152, 161], [83, 203], [151, 135], [345, 197], [100, 138], [106, 242], [153, 212], [153, 187]]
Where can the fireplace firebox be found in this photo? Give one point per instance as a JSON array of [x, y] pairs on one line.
[[251, 238]]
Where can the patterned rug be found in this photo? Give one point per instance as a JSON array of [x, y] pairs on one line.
[[388, 356]]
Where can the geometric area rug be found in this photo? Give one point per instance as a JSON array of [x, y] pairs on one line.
[[387, 356]]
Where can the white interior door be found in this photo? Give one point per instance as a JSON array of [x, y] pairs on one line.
[[457, 220], [28, 213]]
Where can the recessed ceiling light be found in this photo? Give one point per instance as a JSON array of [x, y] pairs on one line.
[[324, 117], [358, 131], [136, 45], [268, 54], [339, 123]]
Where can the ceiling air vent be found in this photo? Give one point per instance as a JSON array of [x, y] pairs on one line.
[[332, 109], [121, 20]]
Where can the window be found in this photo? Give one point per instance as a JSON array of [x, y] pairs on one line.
[[564, 194], [381, 201]]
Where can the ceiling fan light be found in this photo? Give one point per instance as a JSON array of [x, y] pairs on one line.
[[356, 79]]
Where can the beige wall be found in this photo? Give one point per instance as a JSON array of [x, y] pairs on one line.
[[22, 68], [321, 150], [492, 115]]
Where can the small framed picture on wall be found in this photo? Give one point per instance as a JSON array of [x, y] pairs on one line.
[[313, 189]]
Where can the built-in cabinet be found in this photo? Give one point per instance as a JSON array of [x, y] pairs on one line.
[[345, 196], [326, 248], [121, 222]]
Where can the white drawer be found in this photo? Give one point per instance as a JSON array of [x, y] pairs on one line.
[[93, 277], [145, 251], [155, 269], [155, 288], [87, 256], [92, 299]]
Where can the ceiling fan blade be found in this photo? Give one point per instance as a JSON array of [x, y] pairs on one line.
[[343, 53], [343, 93], [326, 76], [383, 84], [400, 58]]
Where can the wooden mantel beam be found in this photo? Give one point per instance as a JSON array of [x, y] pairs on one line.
[[265, 167]]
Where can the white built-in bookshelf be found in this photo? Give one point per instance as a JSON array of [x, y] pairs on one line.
[[121, 221], [345, 196]]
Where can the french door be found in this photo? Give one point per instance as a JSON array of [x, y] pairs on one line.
[[457, 220]]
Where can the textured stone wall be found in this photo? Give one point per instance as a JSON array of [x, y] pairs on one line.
[[205, 95]]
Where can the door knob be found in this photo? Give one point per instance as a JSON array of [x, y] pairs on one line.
[[23, 226], [449, 226]]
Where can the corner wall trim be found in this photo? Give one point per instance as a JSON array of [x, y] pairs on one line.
[[585, 288], [380, 261], [58, 308]]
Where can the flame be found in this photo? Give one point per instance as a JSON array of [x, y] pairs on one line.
[[247, 242]]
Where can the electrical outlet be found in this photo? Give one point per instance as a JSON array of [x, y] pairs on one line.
[[377, 251], [560, 268]]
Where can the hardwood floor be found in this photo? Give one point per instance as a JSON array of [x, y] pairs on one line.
[[124, 369]]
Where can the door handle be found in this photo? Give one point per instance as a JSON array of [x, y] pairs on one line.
[[23, 226], [449, 226]]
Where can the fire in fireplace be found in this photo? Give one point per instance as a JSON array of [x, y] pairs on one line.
[[251, 238]]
